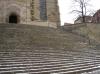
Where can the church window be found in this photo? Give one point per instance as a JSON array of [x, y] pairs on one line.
[[43, 10]]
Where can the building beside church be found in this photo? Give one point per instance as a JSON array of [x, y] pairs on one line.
[[96, 17], [35, 12], [88, 19]]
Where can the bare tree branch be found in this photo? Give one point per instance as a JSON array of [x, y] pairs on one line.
[[76, 11], [81, 8]]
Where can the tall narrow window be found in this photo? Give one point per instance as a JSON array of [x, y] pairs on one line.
[[43, 10], [32, 10]]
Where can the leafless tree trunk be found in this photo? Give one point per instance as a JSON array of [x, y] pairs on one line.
[[81, 8]]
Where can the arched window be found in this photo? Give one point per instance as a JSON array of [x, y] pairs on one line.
[[43, 10]]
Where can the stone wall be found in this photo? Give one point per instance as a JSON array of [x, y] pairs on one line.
[[23, 11], [89, 30]]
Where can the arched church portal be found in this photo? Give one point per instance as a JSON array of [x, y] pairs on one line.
[[13, 18]]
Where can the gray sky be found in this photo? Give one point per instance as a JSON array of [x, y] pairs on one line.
[[65, 9]]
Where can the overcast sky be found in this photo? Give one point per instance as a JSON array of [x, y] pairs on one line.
[[66, 6]]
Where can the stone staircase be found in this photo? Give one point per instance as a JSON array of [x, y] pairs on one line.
[[26, 49]]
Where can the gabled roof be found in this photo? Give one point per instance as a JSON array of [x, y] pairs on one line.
[[87, 18], [98, 11]]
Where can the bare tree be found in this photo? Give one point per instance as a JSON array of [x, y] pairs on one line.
[[80, 7]]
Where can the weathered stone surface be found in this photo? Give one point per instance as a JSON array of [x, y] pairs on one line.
[[28, 49], [22, 9]]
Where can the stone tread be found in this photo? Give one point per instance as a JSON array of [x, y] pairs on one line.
[[41, 59], [39, 64]]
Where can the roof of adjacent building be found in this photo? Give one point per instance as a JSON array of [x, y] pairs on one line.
[[87, 18], [98, 11]]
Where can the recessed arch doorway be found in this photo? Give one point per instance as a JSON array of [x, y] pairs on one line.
[[13, 18]]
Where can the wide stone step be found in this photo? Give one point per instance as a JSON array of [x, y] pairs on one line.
[[42, 65], [42, 70], [20, 64], [26, 59], [48, 52], [18, 54], [79, 71]]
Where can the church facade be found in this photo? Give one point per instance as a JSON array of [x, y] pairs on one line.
[[34, 12]]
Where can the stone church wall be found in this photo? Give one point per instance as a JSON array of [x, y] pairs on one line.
[[22, 9]]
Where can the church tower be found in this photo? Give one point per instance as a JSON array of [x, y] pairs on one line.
[[34, 12]]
